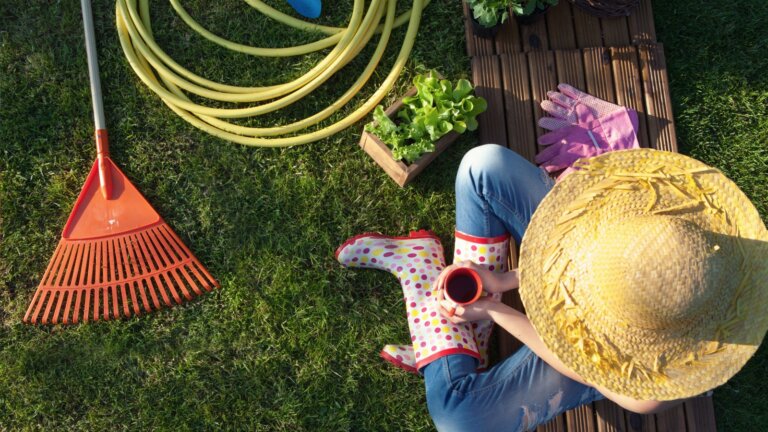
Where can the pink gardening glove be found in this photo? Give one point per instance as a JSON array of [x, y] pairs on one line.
[[561, 106], [590, 137]]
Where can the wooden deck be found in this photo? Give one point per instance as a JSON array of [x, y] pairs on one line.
[[618, 60]]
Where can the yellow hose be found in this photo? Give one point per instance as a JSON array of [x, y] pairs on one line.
[[170, 81]]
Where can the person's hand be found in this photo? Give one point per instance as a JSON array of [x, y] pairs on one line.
[[492, 282], [477, 311]]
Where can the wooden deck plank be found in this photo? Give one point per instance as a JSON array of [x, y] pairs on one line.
[[486, 75], [599, 76], [570, 68], [588, 32], [640, 423], [581, 419], [641, 27], [700, 414], [557, 424], [671, 420], [517, 105], [560, 27], [661, 127], [508, 344], [610, 417], [541, 66], [615, 31], [534, 36], [475, 45], [508, 39], [629, 91]]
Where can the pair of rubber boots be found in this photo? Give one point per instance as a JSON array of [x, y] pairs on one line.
[[417, 260]]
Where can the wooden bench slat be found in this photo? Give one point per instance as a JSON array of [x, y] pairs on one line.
[[700, 414], [581, 419], [641, 27], [661, 128], [560, 27], [517, 105], [486, 74], [597, 68], [610, 417], [629, 91]]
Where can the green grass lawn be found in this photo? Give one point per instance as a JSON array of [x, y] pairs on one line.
[[290, 342]]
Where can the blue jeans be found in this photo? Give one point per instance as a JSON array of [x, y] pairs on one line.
[[497, 192]]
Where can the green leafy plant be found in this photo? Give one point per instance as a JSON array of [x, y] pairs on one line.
[[490, 13], [527, 7], [438, 107]]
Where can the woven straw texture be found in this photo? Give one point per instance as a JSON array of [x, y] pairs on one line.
[[644, 272], [607, 8]]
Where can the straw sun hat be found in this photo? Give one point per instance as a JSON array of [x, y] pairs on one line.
[[644, 271]]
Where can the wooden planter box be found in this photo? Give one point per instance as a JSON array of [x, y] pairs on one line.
[[400, 172]]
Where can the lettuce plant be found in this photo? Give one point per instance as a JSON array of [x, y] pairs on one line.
[[438, 107]]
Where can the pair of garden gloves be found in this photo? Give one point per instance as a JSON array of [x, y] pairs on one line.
[[582, 126]]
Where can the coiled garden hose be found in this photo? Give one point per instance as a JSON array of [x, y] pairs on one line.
[[170, 81]]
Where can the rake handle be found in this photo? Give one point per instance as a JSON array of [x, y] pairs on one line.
[[102, 142]]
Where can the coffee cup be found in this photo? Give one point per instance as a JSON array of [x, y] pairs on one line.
[[463, 286]]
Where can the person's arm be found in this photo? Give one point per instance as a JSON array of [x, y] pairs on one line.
[[519, 326]]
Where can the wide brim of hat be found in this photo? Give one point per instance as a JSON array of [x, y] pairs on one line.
[[613, 356]]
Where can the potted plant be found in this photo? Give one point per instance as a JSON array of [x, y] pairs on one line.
[[530, 11], [406, 137], [488, 15]]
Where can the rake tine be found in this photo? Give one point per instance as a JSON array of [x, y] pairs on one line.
[[112, 281], [76, 311], [124, 286], [136, 273], [68, 307], [143, 268], [48, 307], [164, 236], [209, 280], [96, 304], [59, 304], [184, 271], [170, 260], [29, 316], [161, 264], [152, 291], [86, 312], [63, 263], [171, 289]]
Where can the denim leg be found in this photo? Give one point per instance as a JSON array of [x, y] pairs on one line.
[[497, 191], [515, 395]]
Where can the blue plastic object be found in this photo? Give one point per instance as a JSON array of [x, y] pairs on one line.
[[307, 8]]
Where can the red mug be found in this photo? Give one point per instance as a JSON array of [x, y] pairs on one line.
[[463, 286]]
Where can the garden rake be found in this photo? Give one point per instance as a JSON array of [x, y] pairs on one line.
[[116, 253]]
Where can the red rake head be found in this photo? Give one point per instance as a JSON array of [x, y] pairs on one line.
[[114, 258]]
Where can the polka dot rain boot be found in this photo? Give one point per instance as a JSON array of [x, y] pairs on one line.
[[491, 253], [416, 261]]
